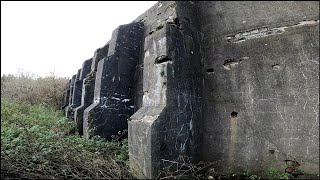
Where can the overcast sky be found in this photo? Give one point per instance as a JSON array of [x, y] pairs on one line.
[[44, 37]]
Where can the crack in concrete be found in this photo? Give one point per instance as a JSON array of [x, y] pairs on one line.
[[264, 32]]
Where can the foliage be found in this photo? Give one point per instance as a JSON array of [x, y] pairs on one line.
[[25, 87], [275, 174], [35, 144]]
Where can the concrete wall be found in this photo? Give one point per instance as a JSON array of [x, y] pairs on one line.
[[236, 83], [262, 61]]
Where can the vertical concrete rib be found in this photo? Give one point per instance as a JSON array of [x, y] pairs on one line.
[[88, 87], [67, 109], [113, 98], [66, 96], [86, 67], [166, 126], [76, 95]]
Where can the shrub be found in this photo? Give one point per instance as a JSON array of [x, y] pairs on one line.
[[35, 144], [276, 174], [25, 87]]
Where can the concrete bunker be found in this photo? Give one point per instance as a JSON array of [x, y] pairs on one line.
[[229, 82]]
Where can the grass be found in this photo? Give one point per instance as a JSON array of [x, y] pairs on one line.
[[36, 144]]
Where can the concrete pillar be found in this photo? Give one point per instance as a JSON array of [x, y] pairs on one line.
[[86, 67], [68, 108], [76, 95], [77, 89], [168, 123], [66, 96], [113, 98], [88, 87]]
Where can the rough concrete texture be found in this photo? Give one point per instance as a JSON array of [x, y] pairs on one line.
[[113, 98], [71, 87], [75, 95], [261, 89], [230, 82], [164, 127], [86, 68], [88, 87], [99, 54], [77, 89], [66, 95]]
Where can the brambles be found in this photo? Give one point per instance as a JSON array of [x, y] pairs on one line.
[[35, 144], [25, 87], [183, 168]]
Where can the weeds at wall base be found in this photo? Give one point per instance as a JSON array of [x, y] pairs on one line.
[[182, 168], [35, 144]]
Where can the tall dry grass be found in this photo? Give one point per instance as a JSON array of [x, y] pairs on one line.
[[26, 87]]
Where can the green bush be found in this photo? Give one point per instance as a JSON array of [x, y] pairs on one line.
[[275, 174], [35, 143]]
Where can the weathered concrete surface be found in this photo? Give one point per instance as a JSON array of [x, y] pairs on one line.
[[261, 89], [99, 54], [68, 108], [77, 89], [88, 87], [75, 95], [167, 124], [66, 96], [230, 82], [86, 68], [113, 98]]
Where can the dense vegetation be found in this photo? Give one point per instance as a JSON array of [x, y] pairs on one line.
[[36, 142], [26, 87]]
